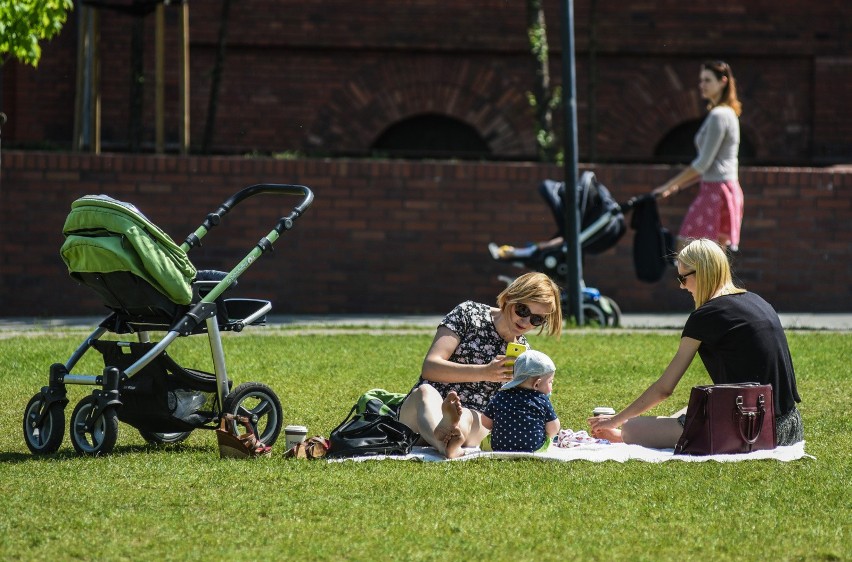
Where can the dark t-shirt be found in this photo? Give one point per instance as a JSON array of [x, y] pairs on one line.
[[742, 341], [519, 416]]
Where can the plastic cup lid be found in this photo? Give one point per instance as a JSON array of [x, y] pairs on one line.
[[603, 410]]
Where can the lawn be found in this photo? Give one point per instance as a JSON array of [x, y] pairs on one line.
[[183, 503]]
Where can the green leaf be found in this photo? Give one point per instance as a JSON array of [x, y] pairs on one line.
[[26, 23]]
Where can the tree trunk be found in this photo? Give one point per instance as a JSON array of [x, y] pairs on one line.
[[216, 80]]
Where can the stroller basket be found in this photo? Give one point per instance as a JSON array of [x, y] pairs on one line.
[[162, 396]]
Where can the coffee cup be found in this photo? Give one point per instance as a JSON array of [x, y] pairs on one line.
[[603, 411], [295, 434]]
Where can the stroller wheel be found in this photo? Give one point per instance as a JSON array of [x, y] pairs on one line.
[[261, 405], [614, 312], [594, 316], [93, 436], [44, 437], [598, 310], [164, 438]]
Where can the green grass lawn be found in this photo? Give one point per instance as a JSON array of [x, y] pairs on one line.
[[184, 503]]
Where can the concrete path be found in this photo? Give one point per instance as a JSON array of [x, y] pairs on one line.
[[674, 321], [671, 321]]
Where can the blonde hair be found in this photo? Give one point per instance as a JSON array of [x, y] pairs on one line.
[[538, 288], [712, 270]]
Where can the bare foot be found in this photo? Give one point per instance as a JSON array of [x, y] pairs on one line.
[[447, 432], [610, 434]]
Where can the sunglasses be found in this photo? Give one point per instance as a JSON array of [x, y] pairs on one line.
[[524, 311], [682, 278]]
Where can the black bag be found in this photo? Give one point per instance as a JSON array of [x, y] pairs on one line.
[[653, 245], [368, 433], [728, 418]]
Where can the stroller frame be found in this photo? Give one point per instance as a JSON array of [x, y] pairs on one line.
[[145, 365]]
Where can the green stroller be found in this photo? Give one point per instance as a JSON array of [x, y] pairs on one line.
[[150, 286]]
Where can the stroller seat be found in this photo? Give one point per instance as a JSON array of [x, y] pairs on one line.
[[601, 227], [601, 220], [137, 305]]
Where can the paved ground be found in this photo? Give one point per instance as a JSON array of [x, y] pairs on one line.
[[793, 321], [803, 321]]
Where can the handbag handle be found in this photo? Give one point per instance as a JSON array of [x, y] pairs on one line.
[[754, 419], [346, 419]]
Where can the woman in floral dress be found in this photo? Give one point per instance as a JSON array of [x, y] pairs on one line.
[[465, 364]]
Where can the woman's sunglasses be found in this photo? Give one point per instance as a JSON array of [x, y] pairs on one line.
[[524, 311], [682, 278]]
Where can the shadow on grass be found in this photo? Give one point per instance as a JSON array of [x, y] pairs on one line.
[[67, 455]]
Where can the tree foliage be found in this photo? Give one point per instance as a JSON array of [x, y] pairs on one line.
[[24, 23], [543, 99]]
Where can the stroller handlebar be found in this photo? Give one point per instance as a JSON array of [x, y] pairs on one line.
[[633, 201], [284, 223], [279, 189]]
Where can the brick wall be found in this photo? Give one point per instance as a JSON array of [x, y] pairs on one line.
[[404, 237], [832, 137], [329, 77]]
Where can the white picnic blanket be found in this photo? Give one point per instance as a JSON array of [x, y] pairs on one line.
[[619, 452]]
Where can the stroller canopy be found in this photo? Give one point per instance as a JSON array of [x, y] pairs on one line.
[[104, 235], [601, 220]]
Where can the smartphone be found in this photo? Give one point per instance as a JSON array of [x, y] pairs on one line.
[[513, 350]]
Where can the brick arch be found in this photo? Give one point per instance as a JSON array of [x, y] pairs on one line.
[[652, 122], [656, 101], [642, 105], [685, 106], [385, 93]]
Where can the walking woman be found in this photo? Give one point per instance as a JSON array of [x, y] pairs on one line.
[[717, 211]]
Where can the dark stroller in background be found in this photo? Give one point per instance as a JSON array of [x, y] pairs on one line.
[[601, 227], [150, 285]]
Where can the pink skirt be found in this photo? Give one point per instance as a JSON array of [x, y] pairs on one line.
[[717, 213]]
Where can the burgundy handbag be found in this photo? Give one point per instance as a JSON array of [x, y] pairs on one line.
[[728, 418]]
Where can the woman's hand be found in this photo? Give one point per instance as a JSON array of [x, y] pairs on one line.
[[598, 423], [498, 371], [685, 178], [664, 191], [606, 427], [437, 366]]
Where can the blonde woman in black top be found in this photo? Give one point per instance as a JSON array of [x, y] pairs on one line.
[[739, 338]]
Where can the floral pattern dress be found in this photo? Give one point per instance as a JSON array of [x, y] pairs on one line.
[[480, 343]]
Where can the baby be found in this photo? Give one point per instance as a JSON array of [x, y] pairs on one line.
[[520, 416]]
